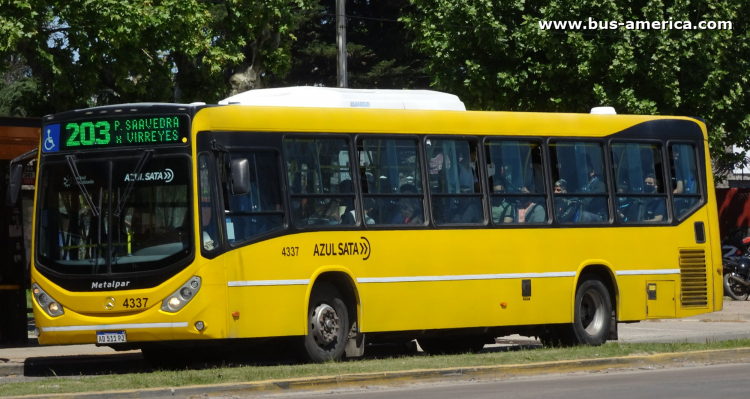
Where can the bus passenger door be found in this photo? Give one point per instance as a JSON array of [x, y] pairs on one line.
[[253, 216]]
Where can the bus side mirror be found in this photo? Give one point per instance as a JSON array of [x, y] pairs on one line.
[[14, 185], [240, 176]]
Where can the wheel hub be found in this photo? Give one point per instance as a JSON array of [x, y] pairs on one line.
[[592, 312], [325, 324]]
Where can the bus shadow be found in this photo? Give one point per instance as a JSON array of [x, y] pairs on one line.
[[81, 365], [133, 362]]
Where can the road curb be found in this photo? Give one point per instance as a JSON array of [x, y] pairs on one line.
[[740, 355], [10, 368]]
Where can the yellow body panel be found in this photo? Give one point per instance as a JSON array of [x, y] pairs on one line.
[[662, 304], [408, 279]]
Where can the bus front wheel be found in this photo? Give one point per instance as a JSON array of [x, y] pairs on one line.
[[593, 313], [327, 325]]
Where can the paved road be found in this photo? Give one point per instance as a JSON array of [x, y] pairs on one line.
[[731, 323], [722, 381]]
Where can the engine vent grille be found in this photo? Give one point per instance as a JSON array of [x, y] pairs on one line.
[[693, 278]]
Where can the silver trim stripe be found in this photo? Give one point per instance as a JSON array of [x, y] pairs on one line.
[[256, 283], [463, 277], [647, 272], [116, 327]]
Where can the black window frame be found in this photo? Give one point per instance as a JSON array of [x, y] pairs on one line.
[[422, 173], [283, 197], [665, 174], [546, 177], [481, 176], [64, 279], [355, 195], [606, 165], [215, 190], [700, 183]]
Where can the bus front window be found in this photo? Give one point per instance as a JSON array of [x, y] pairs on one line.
[[152, 230], [71, 230]]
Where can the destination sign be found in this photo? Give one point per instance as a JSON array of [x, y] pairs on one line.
[[121, 131]]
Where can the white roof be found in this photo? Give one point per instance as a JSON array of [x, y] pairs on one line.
[[329, 97]]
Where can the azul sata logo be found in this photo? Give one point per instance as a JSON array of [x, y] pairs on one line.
[[165, 175]]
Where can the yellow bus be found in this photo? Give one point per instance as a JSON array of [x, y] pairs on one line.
[[334, 216]]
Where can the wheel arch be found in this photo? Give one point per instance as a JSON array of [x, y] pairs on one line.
[[343, 279], [605, 272]]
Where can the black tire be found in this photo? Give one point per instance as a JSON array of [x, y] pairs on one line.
[[328, 325], [592, 316], [452, 345], [734, 290]]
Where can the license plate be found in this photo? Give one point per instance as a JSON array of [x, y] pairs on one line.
[[110, 337]]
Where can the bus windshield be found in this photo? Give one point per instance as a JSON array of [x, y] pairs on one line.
[[84, 236]]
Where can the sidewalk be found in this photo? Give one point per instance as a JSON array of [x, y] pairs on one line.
[[731, 323]]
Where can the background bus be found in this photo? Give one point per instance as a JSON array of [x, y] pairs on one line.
[[159, 226]]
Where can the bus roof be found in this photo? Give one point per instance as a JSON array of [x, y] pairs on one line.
[[329, 97]]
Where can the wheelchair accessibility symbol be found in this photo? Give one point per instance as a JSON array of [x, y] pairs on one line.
[[51, 138]]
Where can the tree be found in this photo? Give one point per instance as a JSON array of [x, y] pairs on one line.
[[379, 51], [495, 56], [80, 53]]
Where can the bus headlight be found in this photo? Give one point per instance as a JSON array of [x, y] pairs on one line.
[[182, 296], [46, 302]]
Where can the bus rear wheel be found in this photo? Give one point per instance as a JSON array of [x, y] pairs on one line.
[[328, 325], [592, 317]]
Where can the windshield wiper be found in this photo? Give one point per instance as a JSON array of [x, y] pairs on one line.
[[77, 176], [142, 161]]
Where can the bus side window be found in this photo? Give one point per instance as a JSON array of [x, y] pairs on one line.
[[321, 189], [455, 190], [514, 170], [578, 171], [391, 180], [209, 229], [259, 211], [641, 194], [684, 178]]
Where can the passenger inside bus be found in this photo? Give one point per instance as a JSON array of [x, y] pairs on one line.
[[503, 211], [397, 213], [627, 207], [596, 206], [655, 208], [531, 209], [411, 211], [467, 173], [467, 209], [566, 209]]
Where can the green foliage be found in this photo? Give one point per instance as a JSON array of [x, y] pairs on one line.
[[95, 52], [21, 98], [379, 54], [494, 55]]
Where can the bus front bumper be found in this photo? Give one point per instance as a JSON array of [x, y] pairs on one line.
[[151, 325]]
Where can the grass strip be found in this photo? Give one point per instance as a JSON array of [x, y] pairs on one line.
[[217, 375]]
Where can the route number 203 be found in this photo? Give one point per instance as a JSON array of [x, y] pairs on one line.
[[290, 251], [87, 133], [135, 303]]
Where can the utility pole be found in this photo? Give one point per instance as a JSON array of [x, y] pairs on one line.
[[341, 42]]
